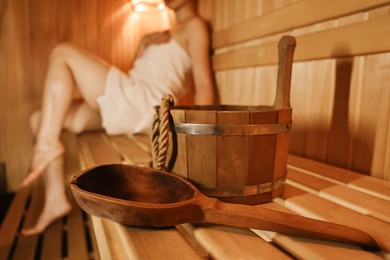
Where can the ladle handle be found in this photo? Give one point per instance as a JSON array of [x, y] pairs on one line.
[[257, 217], [286, 49]]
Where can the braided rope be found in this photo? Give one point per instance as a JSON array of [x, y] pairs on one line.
[[155, 136], [160, 137]]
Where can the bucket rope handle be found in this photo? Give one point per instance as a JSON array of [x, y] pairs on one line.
[[160, 129]]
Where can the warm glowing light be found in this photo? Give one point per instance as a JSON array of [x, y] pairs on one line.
[[148, 6]]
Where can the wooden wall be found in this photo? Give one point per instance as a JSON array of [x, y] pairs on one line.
[[28, 31], [340, 106]]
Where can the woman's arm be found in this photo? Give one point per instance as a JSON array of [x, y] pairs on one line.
[[199, 47]]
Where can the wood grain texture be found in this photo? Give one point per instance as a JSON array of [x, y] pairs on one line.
[[292, 16], [341, 115]]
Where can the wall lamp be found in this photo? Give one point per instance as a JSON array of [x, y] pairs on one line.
[[147, 6]]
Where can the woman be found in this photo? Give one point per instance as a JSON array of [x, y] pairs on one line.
[[121, 103]]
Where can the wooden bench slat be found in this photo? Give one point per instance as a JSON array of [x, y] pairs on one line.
[[144, 243], [305, 248], [99, 149], [309, 249], [367, 184], [373, 186], [326, 170], [110, 245], [350, 40], [362, 202], [143, 141], [187, 231], [310, 181], [346, 41], [310, 205], [237, 243], [11, 222], [76, 240], [290, 17], [94, 243], [52, 242], [348, 197], [131, 150], [26, 246]]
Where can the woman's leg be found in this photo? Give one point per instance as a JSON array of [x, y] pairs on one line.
[[56, 203], [69, 68], [79, 118]]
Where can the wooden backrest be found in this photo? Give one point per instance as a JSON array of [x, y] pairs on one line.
[[339, 77], [350, 40]]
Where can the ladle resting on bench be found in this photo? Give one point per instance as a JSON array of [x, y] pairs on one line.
[[144, 197]]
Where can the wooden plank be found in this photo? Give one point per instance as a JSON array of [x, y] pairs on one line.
[[26, 247], [348, 197], [86, 159], [310, 205], [373, 186], [142, 140], [201, 149], [376, 187], [332, 173], [52, 242], [9, 228], [361, 202], [304, 248], [178, 161], [233, 152], [341, 42], [131, 150], [311, 182], [100, 149], [110, 245], [146, 243], [76, 233], [234, 243], [186, 230], [350, 40], [293, 16], [95, 255]]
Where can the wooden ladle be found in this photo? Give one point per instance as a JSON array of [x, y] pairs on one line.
[[145, 197]]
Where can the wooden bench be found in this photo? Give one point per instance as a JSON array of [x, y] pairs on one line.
[[68, 238], [313, 189]]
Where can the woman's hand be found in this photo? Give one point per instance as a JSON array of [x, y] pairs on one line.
[[152, 38], [156, 38]]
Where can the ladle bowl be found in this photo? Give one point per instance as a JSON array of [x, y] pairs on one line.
[[145, 197]]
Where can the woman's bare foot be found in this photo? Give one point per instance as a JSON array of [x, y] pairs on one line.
[[43, 155], [51, 212]]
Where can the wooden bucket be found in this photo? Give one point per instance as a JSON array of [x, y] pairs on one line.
[[237, 154]]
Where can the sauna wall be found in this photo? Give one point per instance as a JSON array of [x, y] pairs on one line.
[[340, 106], [29, 29]]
